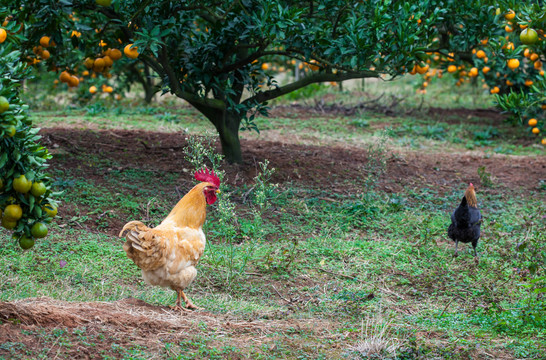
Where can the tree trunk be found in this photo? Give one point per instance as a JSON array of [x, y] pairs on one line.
[[228, 129]]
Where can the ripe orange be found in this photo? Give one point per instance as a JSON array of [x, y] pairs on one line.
[[538, 64], [45, 54], [544, 141], [509, 83], [451, 68], [480, 54], [510, 15], [99, 64], [533, 57], [526, 52], [473, 72], [21, 184], [93, 89], [4, 104], [108, 61], [528, 82], [513, 64], [65, 76], [422, 69], [3, 35], [486, 69], [115, 54], [13, 212], [26, 242], [535, 130], [73, 81], [495, 90], [108, 89], [532, 122], [265, 66], [508, 29], [45, 41], [39, 230], [88, 63], [131, 51]]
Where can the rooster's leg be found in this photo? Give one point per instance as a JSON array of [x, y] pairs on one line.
[[178, 305], [189, 304], [456, 245]]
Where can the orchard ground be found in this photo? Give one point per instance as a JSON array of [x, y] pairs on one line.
[[328, 272]]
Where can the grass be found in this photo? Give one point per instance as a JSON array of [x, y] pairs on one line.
[[378, 273]]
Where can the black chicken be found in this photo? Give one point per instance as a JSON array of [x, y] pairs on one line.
[[466, 221]]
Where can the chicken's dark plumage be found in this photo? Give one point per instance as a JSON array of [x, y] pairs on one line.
[[466, 221]]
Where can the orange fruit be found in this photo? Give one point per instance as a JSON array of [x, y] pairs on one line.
[[99, 64], [543, 141], [3, 35], [486, 69], [45, 41], [265, 66], [526, 52], [473, 72], [21, 184], [85, 73], [513, 64], [495, 90], [93, 89], [528, 82], [8, 224], [65, 76], [88, 63], [4, 104], [422, 69], [451, 68], [509, 83], [39, 230], [528, 36], [45, 54], [532, 122], [108, 61], [508, 29], [10, 131], [480, 54], [533, 57], [50, 210], [131, 51], [38, 189], [510, 15], [73, 81], [535, 130], [115, 54], [26, 242], [13, 212], [537, 64]]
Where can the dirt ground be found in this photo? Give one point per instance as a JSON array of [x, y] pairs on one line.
[[332, 169]]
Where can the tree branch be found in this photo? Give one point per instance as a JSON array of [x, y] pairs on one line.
[[315, 78]]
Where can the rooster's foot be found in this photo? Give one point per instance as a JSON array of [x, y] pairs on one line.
[[191, 306], [178, 308]]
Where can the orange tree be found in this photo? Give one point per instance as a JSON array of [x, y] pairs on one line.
[[212, 53], [26, 204], [525, 86], [509, 62]]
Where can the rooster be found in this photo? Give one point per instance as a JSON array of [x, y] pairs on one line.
[[168, 253], [466, 221]]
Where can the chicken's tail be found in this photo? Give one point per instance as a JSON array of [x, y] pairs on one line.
[[133, 225]]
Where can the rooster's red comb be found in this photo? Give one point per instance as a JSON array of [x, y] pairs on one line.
[[206, 176]]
